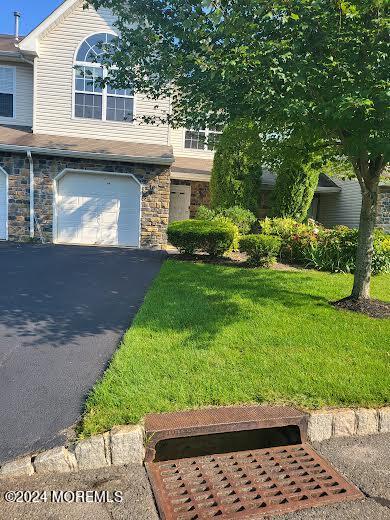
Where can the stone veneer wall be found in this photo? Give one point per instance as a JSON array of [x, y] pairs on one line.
[[155, 197], [383, 214], [200, 194]]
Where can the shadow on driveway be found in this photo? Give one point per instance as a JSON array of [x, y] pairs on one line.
[[63, 310]]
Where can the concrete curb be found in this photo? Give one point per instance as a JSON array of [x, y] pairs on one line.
[[125, 444]]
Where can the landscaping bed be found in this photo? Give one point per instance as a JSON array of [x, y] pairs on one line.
[[217, 335]]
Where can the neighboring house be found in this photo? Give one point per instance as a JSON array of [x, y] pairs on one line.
[[335, 202], [76, 164]]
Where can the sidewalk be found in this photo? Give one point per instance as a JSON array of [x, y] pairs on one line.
[[364, 460]]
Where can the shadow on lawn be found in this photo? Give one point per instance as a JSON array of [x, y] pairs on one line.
[[207, 299], [56, 295]]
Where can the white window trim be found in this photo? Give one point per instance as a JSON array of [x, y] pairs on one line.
[[205, 148], [103, 93], [8, 118]]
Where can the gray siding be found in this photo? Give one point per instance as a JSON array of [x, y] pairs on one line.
[[341, 208]]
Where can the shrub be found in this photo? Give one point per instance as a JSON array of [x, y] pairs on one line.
[[237, 166], [205, 213], [294, 189], [241, 217], [325, 249], [333, 250], [261, 249], [286, 227], [214, 237], [381, 257]]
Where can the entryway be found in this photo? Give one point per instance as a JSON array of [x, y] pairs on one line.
[[180, 200]]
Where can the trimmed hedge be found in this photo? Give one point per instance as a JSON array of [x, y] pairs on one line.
[[211, 236], [261, 249], [237, 167]]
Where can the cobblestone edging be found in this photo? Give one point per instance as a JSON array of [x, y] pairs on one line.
[[125, 444], [121, 445], [347, 422]]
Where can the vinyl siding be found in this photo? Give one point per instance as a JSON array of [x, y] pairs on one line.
[[177, 142], [341, 208], [24, 95], [54, 99]]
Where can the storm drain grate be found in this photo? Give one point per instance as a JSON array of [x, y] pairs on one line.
[[246, 484]]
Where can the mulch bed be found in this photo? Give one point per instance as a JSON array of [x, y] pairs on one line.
[[234, 258], [372, 308]]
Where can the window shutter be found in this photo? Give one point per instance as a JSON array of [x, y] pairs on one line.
[[7, 80]]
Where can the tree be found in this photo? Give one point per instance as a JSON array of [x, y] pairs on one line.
[[312, 66], [236, 173], [297, 164], [294, 190]]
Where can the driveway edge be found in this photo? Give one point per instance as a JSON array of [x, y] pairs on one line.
[[126, 444]]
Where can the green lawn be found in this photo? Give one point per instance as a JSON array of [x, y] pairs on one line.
[[216, 335]]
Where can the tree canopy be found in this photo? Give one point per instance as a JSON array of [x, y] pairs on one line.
[[319, 68], [307, 64]]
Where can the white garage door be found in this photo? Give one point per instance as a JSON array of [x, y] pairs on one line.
[[97, 209], [3, 205]]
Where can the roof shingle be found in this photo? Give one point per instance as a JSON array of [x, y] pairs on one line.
[[21, 139]]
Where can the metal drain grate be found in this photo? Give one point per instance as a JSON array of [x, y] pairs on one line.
[[246, 484]]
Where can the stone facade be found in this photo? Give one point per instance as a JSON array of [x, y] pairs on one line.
[[200, 194], [383, 214], [155, 196]]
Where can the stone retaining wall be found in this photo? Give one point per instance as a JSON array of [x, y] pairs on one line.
[[155, 197], [125, 444]]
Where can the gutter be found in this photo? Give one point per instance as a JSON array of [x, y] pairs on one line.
[[32, 215], [163, 161], [14, 55]]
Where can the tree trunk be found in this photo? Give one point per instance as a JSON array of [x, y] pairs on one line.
[[368, 174]]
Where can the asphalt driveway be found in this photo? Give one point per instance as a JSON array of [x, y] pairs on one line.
[[63, 310]]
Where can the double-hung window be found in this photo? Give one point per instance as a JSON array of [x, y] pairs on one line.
[[91, 100], [201, 139], [7, 91]]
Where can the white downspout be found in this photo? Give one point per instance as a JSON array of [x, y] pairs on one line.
[[31, 194]]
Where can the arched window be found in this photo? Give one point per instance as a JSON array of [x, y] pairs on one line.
[[91, 101]]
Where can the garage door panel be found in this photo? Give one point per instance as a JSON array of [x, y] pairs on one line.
[[98, 209]]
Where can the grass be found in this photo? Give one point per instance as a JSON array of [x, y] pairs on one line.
[[217, 335]]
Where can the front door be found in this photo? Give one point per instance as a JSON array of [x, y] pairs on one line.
[[179, 206]]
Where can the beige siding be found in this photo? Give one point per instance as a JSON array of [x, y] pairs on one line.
[[24, 95], [177, 142], [341, 208], [54, 99]]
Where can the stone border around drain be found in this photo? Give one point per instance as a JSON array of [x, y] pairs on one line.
[[125, 444]]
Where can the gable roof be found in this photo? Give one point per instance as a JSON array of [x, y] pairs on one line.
[[30, 43]]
